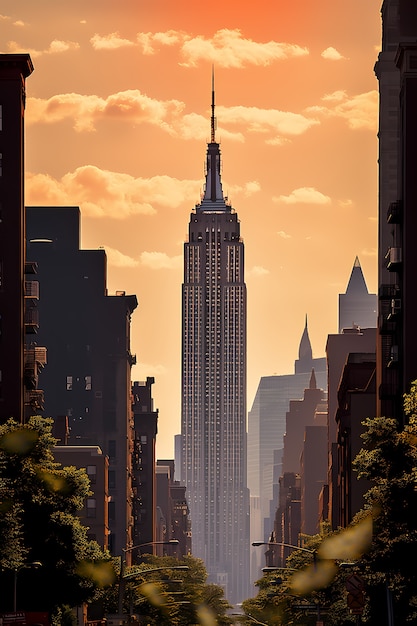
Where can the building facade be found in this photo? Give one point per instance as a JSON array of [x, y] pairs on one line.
[[213, 425], [357, 307], [14, 69], [396, 70], [87, 333]]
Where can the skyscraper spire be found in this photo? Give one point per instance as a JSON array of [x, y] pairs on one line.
[[213, 199], [213, 118]]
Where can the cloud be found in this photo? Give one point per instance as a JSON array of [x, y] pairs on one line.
[[116, 258], [111, 41], [131, 105], [360, 111], [160, 260], [57, 46], [101, 193], [283, 234], [303, 195], [247, 190], [345, 203], [141, 371], [369, 252], [255, 120], [257, 270], [84, 111], [228, 48], [151, 42], [331, 54]]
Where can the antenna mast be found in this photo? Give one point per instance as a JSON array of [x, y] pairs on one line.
[[213, 119]]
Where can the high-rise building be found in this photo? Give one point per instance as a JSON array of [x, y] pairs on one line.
[[87, 333], [396, 70], [357, 307], [214, 384], [14, 69]]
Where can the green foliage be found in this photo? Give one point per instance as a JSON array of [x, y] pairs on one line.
[[389, 460], [172, 597], [39, 522]]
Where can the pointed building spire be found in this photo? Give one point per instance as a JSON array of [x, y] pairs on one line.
[[213, 117], [313, 382], [357, 284], [213, 199], [305, 352]]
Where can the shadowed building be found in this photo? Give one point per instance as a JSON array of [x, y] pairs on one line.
[[87, 333], [357, 307], [214, 385], [396, 70], [14, 69]]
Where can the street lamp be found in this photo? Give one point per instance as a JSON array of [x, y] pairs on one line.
[[34, 565], [122, 577]]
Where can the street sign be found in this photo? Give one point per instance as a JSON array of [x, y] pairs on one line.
[[356, 602], [355, 583]]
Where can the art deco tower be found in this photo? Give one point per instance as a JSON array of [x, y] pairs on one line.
[[214, 384]]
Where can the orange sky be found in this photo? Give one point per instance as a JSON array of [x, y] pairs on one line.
[[117, 121]]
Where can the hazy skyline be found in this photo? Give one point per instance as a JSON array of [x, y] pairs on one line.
[[117, 120]]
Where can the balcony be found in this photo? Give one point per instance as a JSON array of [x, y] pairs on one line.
[[31, 320], [32, 289], [394, 213], [35, 355], [35, 399], [395, 309], [387, 292], [394, 259]]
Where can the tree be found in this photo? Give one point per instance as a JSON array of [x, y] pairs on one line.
[[39, 523], [170, 596], [389, 460]]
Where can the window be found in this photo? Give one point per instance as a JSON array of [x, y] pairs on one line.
[[92, 473], [91, 507], [112, 449], [87, 383], [69, 383], [112, 479], [1, 117], [1, 164]]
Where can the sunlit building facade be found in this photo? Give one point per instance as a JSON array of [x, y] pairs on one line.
[[214, 385]]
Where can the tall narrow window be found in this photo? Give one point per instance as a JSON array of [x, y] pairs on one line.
[[1, 164], [1, 117], [91, 507], [87, 383], [69, 383]]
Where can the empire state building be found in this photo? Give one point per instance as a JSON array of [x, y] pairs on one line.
[[214, 384]]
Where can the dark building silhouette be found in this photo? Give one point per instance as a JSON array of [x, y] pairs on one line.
[[313, 471], [94, 513], [173, 510], [396, 70], [338, 349], [87, 333], [357, 307], [301, 414], [214, 385], [14, 69], [145, 419], [356, 402]]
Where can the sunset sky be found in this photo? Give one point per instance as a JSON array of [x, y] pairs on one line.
[[117, 121]]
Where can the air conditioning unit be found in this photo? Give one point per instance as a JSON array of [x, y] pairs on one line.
[[394, 354], [395, 306]]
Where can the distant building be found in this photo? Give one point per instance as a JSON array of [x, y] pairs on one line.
[[356, 400], [213, 424], [267, 418], [145, 419], [396, 70], [95, 511], [338, 349], [173, 511], [87, 333], [357, 307]]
